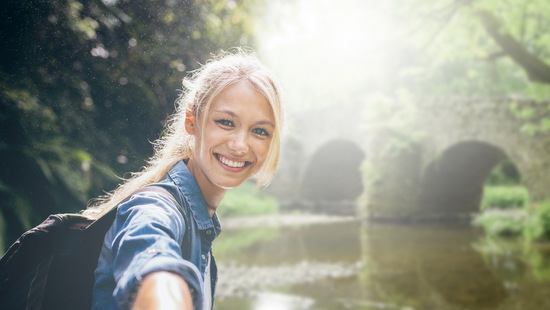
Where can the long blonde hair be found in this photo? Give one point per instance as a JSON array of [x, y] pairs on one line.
[[200, 88]]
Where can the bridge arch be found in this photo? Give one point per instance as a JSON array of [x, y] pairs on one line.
[[333, 172], [453, 182], [450, 126]]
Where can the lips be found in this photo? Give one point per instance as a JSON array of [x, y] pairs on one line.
[[231, 163]]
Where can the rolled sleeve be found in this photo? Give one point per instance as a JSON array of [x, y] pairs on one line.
[[150, 230]]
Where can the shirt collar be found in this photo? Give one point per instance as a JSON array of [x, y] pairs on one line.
[[188, 186]]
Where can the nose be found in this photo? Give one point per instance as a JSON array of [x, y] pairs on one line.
[[238, 143]]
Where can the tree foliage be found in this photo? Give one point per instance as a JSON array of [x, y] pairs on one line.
[[479, 48], [87, 84], [482, 47]]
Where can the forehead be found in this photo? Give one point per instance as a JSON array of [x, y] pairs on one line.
[[242, 99]]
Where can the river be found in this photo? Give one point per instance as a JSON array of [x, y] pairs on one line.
[[344, 263]]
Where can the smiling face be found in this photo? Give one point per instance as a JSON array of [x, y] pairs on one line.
[[237, 133]]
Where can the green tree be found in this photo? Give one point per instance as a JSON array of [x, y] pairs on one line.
[[479, 48], [86, 85], [500, 45]]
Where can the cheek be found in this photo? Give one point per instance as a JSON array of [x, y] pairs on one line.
[[262, 149], [212, 137]]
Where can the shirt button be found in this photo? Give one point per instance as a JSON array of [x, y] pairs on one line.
[[208, 232], [203, 256]]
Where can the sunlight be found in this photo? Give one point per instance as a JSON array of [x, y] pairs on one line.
[[275, 301], [326, 51]]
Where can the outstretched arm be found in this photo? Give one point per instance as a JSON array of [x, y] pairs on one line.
[[163, 291]]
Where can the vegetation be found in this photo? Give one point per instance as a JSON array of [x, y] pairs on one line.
[[247, 200], [506, 207], [500, 223], [532, 223], [498, 35], [514, 216], [505, 197], [537, 227], [489, 48], [85, 85]]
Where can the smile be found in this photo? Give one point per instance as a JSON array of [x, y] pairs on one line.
[[231, 163]]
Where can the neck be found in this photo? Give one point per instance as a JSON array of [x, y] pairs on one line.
[[213, 198], [211, 193], [211, 210]]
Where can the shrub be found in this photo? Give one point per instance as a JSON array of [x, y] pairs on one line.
[[504, 197], [538, 226], [533, 224], [502, 223]]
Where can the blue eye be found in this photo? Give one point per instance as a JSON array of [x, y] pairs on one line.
[[225, 122], [261, 132]]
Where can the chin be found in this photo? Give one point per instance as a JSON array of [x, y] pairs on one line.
[[229, 185], [232, 181]]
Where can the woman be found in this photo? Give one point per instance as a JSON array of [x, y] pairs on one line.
[[226, 129]]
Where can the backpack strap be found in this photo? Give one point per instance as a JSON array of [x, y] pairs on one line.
[[103, 223], [108, 218], [51, 266]]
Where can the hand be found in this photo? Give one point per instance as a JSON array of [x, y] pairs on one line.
[[163, 291]]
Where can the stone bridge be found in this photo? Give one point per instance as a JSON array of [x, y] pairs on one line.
[[426, 159]]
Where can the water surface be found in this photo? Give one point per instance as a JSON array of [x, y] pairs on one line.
[[358, 265]]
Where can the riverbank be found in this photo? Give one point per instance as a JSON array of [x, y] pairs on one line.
[[278, 220]]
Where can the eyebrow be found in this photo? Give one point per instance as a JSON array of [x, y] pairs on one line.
[[263, 122], [266, 123]]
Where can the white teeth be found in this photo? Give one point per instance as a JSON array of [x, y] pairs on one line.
[[230, 163]]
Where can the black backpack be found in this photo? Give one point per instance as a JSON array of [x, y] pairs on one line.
[[51, 266]]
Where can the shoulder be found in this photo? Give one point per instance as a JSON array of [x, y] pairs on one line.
[[151, 200], [149, 208]]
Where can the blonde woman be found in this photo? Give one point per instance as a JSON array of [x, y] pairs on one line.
[[226, 129]]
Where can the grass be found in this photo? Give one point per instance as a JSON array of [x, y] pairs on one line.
[[247, 200]]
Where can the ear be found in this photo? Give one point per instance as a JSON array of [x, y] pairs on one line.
[[189, 122]]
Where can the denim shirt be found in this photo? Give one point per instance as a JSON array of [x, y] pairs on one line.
[[148, 235]]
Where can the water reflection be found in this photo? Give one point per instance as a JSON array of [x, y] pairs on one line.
[[273, 301], [355, 265], [438, 263]]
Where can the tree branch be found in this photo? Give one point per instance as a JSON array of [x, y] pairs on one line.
[[537, 70]]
